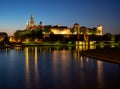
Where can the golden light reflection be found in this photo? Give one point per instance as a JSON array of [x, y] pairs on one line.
[[60, 65], [78, 57], [112, 44], [36, 57], [92, 46], [36, 67], [81, 62], [27, 68], [55, 63], [87, 59], [101, 45], [64, 66], [80, 48], [84, 46], [100, 74]]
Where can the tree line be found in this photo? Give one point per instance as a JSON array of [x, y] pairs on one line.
[[38, 34]]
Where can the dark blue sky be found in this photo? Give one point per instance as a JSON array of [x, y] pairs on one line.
[[89, 13]]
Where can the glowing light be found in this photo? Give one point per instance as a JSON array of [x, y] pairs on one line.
[[36, 65], [27, 68], [99, 30], [102, 45], [1, 39], [112, 44], [18, 40], [27, 40], [100, 73], [36, 40], [63, 31]]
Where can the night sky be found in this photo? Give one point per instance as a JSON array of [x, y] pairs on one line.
[[89, 13]]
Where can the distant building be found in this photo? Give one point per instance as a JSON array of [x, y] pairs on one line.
[[31, 26], [60, 29], [76, 28], [63, 29], [54, 29], [91, 31], [99, 30], [32, 21]]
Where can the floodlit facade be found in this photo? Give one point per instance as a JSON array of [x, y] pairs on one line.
[[61, 30], [99, 30]]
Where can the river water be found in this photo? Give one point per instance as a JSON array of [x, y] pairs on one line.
[[55, 68]]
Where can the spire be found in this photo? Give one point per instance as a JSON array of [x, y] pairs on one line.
[[32, 17], [99, 29], [32, 21]]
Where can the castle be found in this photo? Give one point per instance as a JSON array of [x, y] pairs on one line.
[[63, 29]]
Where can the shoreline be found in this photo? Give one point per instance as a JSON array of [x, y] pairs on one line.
[[107, 54]]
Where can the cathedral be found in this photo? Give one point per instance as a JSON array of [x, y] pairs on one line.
[[54, 29], [31, 25]]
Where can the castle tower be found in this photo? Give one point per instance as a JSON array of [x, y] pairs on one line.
[[99, 30], [76, 27], [31, 21], [40, 24]]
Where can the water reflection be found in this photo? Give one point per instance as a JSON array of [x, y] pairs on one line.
[[61, 68], [28, 68], [100, 74], [36, 69], [85, 47], [112, 44], [61, 65]]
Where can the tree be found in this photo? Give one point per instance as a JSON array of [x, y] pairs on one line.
[[92, 37], [47, 30], [3, 38], [18, 34], [117, 38], [38, 34], [107, 37]]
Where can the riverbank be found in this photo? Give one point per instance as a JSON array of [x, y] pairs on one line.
[[57, 43], [24, 44], [106, 54]]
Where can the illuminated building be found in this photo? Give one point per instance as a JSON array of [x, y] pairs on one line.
[[99, 30], [12, 39], [54, 29], [60, 30], [89, 31], [76, 28], [32, 21], [30, 25]]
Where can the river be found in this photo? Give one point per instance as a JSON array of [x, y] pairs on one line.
[[55, 67]]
